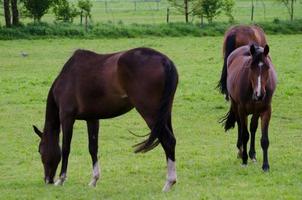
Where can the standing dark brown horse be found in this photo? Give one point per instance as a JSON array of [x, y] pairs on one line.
[[235, 37], [93, 86], [251, 82]]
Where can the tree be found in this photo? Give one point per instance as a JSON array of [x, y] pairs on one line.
[[14, 18], [183, 6], [7, 15], [85, 10], [15, 12], [208, 8], [289, 4], [227, 7], [64, 10], [37, 8]]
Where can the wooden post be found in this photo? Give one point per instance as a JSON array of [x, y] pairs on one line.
[[86, 23], [106, 6], [81, 17], [168, 15], [134, 5], [252, 14]]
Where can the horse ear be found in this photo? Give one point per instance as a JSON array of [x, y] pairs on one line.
[[252, 49], [266, 50], [37, 131]]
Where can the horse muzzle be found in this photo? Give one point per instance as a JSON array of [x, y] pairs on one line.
[[258, 97]]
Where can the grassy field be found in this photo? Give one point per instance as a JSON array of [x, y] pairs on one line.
[[153, 13], [206, 157]]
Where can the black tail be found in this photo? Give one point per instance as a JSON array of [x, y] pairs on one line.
[[171, 80], [228, 120], [229, 47]]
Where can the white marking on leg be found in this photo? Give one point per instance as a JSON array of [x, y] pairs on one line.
[[61, 180], [124, 96], [259, 86], [95, 175], [171, 175]]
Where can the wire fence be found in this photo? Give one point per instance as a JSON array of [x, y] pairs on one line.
[[155, 11]]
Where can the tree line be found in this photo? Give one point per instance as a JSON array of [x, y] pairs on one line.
[[36, 9], [67, 11], [209, 9]]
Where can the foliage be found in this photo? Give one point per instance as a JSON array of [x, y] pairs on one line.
[[85, 7], [64, 10], [289, 4], [37, 8], [228, 7], [208, 8]]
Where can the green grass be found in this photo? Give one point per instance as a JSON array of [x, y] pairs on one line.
[[206, 157]]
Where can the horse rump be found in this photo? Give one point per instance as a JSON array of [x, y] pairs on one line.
[[158, 131]]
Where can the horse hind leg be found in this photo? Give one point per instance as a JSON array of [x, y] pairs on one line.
[[93, 132], [164, 135], [168, 143]]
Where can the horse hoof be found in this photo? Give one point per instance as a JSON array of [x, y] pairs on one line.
[[92, 183], [254, 160], [265, 168], [244, 165], [168, 185], [59, 182]]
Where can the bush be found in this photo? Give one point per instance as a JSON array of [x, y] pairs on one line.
[[64, 11], [111, 30], [36, 8]]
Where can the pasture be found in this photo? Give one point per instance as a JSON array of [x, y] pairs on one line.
[[151, 12], [206, 157]]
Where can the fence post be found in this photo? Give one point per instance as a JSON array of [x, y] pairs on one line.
[[106, 9], [134, 5], [168, 15], [252, 14]]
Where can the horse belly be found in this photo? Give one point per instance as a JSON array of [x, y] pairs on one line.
[[104, 108]]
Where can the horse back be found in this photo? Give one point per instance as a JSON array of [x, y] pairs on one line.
[[88, 82], [245, 35]]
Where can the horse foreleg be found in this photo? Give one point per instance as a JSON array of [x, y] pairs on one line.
[[245, 136], [67, 126], [93, 132], [253, 129], [265, 118], [239, 140]]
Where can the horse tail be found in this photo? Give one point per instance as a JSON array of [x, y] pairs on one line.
[[230, 45], [228, 120], [158, 130]]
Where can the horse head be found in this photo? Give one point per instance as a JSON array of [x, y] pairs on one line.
[[50, 155], [259, 71]]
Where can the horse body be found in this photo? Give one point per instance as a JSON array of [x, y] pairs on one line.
[[93, 86], [251, 82], [92, 95], [234, 38]]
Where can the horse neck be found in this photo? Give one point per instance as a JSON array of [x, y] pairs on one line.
[[52, 119]]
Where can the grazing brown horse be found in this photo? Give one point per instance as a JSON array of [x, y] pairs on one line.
[[235, 37], [251, 82], [92, 86]]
